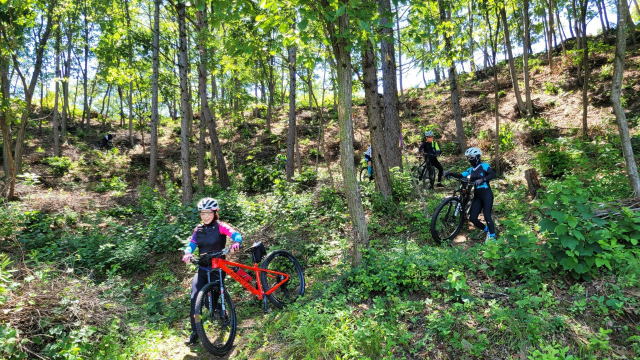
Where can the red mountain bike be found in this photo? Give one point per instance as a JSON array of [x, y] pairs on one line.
[[279, 278]]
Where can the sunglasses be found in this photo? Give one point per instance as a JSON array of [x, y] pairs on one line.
[[207, 212]]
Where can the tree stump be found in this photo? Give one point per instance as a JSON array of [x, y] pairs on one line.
[[532, 182]]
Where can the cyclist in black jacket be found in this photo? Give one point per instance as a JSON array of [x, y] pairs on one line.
[[480, 173], [430, 150]]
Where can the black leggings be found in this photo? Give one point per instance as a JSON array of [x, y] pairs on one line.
[[199, 281], [434, 161], [482, 200]]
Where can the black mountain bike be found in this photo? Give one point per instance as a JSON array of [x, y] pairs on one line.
[[449, 216], [424, 172], [364, 175]]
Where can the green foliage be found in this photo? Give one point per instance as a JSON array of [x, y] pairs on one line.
[[9, 343], [115, 184], [554, 160], [506, 138], [401, 188], [59, 164], [581, 243], [550, 88], [259, 178], [456, 284], [307, 179]]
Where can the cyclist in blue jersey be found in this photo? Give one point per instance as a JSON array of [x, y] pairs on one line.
[[368, 159], [208, 236], [430, 150], [480, 173]]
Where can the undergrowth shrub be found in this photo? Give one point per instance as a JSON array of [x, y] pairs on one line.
[[259, 178], [581, 243], [59, 164], [401, 188], [554, 160]]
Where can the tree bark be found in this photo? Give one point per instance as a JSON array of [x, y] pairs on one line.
[[354, 203], [9, 163], [130, 97], [471, 8], [376, 124], [56, 132], [512, 67], [616, 92], [525, 58], [551, 4], [606, 17], [390, 87], [585, 61], [187, 190], [562, 34], [153, 142], [65, 83], [632, 27], [604, 29], [399, 65], [85, 83], [457, 113], [493, 39], [291, 139], [272, 90]]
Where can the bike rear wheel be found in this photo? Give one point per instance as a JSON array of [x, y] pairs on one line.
[[431, 176], [364, 175], [216, 330], [284, 262], [447, 220]]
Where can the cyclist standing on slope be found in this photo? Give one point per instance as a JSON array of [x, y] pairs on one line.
[[368, 159], [430, 150], [480, 173], [209, 236]]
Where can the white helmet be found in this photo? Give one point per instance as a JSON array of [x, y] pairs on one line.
[[207, 204], [473, 151]]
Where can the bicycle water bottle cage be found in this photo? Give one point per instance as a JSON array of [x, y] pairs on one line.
[[257, 251]]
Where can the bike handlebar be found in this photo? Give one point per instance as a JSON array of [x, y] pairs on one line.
[[208, 256]]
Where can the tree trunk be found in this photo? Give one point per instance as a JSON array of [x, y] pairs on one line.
[[122, 107], [606, 17], [457, 113], [153, 142], [187, 190], [632, 27], [525, 58], [435, 69], [551, 32], [354, 203], [399, 65], [585, 61], [291, 142], [512, 67], [471, 8], [390, 88], [616, 92], [130, 59], [9, 164], [604, 29], [86, 111], [376, 124], [65, 83], [310, 87], [56, 131], [563, 36], [493, 39], [271, 84], [205, 115]]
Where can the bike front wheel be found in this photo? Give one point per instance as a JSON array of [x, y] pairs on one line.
[[432, 176], [447, 220], [284, 262], [216, 329]]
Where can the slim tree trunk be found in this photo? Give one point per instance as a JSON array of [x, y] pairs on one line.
[[563, 36], [272, 90], [457, 113], [585, 61], [632, 27], [153, 142], [493, 39], [512, 67], [130, 58], [376, 124], [390, 87], [354, 203], [187, 190], [291, 142], [9, 164], [399, 62], [606, 17], [616, 91], [471, 6], [551, 5], [85, 83], [525, 58], [604, 28], [65, 83], [56, 131]]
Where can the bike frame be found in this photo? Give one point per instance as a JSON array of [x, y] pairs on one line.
[[223, 265], [465, 195]]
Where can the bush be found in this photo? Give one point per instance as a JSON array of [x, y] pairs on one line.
[[554, 161], [550, 88], [59, 164], [401, 186], [307, 179], [117, 184], [258, 178], [579, 242]]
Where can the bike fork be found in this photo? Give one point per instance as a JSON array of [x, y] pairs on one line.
[[221, 294]]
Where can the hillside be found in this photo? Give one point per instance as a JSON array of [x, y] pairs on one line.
[[90, 264]]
